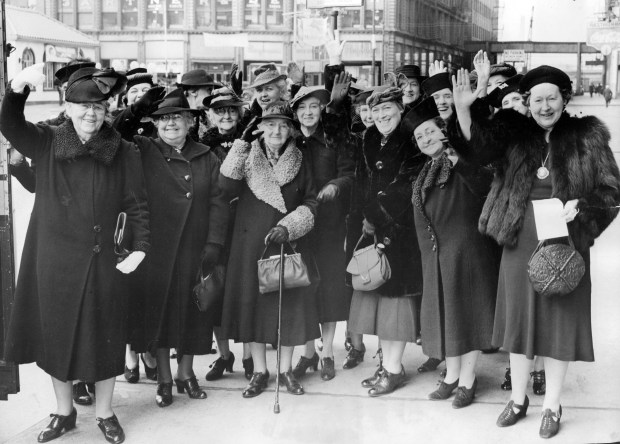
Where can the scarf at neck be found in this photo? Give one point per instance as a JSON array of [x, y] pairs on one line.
[[434, 173]]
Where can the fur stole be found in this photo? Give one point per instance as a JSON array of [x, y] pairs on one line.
[[434, 174], [102, 147]]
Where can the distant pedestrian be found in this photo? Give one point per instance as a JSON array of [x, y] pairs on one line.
[[591, 89], [608, 95]]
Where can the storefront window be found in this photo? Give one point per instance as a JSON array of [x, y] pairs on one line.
[[155, 14], [253, 12], [350, 18], [49, 70], [129, 13], [223, 13], [85, 14], [109, 13], [174, 11], [378, 13], [27, 58], [65, 12], [274, 13], [204, 13]]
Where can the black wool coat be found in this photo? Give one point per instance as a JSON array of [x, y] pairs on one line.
[[70, 310], [188, 210], [581, 163]]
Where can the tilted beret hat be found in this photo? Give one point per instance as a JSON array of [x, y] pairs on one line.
[[544, 74]]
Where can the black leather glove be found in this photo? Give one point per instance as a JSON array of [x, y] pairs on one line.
[[236, 79], [149, 101], [211, 255], [340, 89], [277, 234], [251, 131]]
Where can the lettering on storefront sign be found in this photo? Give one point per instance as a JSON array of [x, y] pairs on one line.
[[604, 36], [275, 4], [175, 4], [514, 55], [254, 4], [59, 53]]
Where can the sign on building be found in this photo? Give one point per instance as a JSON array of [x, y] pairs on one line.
[[514, 55], [604, 36], [318, 4]]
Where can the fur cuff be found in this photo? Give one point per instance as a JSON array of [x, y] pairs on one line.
[[233, 166], [141, 246], [298, 222]]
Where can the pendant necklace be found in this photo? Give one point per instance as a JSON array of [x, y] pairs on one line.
[[542, 172]]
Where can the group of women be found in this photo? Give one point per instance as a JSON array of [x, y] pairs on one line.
[[425, 170]]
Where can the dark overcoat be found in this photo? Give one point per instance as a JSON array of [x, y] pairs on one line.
[[188, 210], [70, 310], [332, 164], [268, 196]]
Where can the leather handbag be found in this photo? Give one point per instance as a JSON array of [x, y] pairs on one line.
[[120, 251], [369, 267], [555, 269], [295, 271], [209, 290]]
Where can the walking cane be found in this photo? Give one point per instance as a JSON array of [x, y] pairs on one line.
[[276, 406]]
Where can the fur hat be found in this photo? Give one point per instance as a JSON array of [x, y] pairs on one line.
[[503, 69], [385, 94], [137, 76]]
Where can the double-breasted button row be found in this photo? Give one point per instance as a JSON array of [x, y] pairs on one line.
[[188, 195], [97, 228], [379, 165], [187, 178], [97, 249]]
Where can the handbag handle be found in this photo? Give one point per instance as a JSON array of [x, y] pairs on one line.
[[262, 256], [544, 241], [361, 239]]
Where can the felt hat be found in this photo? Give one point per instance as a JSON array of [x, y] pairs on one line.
[[437, 83], [384, 94], [503, 69], [425, 110], [222, 101], [311, 91], [545, 74], [267, 77], [197, 77], [361, 97], [65, 72], [279, 110], [94, 85], [511, 85], [266, 67], [174, 102], [410, 71], [137, 76]]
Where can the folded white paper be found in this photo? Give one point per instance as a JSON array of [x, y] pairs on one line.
[[549, 221]]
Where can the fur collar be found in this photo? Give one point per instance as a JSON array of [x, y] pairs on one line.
[[102, 147], [221, 143], [264, 180]]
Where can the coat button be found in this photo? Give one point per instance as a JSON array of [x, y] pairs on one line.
[[381, 194], [188, 195], [432, 237], [97, 228], [434, 247], [187, 178], [428, 228], [387, 241], [96, 249], [379, 165]]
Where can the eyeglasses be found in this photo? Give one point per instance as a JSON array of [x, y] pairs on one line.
[[173, 117], [226, 109], [97, 107]]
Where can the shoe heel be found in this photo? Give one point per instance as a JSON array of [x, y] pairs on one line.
[[229, 363], [180, 386], [315, 367]]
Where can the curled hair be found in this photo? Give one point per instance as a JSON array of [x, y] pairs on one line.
[[443, 127], [281, 85], [566, 94]]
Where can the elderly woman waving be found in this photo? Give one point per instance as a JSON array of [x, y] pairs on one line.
[[70, 312], [277, 204]]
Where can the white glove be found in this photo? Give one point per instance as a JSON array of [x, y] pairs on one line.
[[131, 262], [33, 75], [334, 48]]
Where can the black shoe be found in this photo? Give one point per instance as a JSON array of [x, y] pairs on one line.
[[80, 394], [372, 381], [348, 345], [507, 384], [540, 383], [387, 383], [248, 367], [218, 367], [550, 423], [292, 384], [508, 417], [191, 387], [132, 375], [58, 426], [327, 369], [163, 398], [257, 384], [444, 391], [464, 396], [354, 358], [304, 364], [430, 365], [490, 351], [151, 372], [111, 429]]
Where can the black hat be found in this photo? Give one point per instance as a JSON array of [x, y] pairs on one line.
[[94, 85], [65, 72], [503, 69], [410, 71], [197, 77], [222, 100], [437, 83], [279, 110], [425, 110], [361, 97], [174, 102], [545, 74], [496, 96], [137, 76]]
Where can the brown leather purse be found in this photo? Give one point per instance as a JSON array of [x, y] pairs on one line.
[[295, 271]]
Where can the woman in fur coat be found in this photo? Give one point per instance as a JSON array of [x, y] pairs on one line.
[[277, 204], [548, 155]]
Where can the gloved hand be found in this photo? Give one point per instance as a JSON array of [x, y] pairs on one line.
[[33, 75], [277, 234], [251, 132], [149, 101], [327, 193], [236, 79], [211, 254], [131, 262], [342, 82]]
